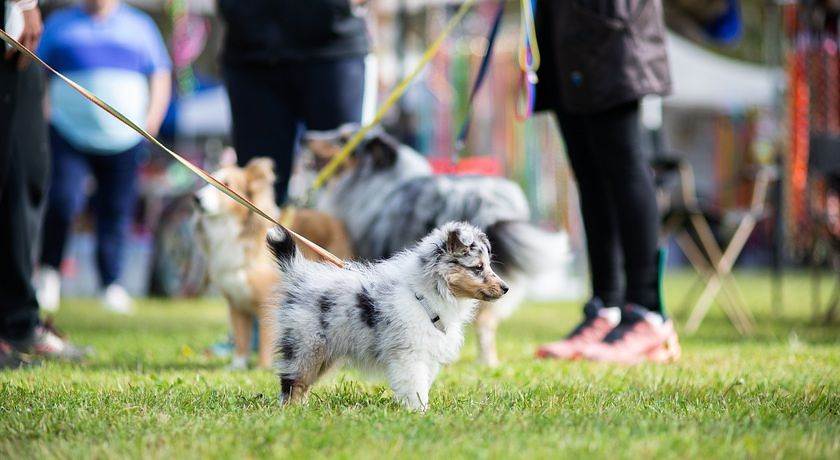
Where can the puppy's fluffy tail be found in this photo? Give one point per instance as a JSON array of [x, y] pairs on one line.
[[522, 247], [282, 246]]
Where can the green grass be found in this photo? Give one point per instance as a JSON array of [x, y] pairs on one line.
[[150, 393]]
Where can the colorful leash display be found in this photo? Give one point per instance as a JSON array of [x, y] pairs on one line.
[[529, 61], [460, 142], [357, 138], [189, 36], [195, 169]]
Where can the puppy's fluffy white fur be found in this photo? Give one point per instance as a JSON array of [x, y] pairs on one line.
[[403, 316]]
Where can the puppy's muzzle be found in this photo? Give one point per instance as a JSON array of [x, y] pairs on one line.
[[497, 291]]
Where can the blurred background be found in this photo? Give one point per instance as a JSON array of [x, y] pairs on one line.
[[756, 85]]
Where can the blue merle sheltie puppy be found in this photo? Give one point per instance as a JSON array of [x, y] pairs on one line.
[[403, 316], [388, 198]]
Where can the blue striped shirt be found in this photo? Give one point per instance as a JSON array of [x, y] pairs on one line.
[[111, 56]]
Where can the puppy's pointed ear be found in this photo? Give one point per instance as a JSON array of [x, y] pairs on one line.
[[455, 242], [382, 150]]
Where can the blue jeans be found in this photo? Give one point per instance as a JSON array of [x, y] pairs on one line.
[[272, 105], [116, 194]]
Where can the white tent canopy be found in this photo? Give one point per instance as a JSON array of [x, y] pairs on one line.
[[703, 79]]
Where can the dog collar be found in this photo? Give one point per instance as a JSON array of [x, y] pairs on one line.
[[435, 319]]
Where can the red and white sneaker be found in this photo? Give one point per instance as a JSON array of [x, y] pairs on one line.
[[642, 336], [598, 322]]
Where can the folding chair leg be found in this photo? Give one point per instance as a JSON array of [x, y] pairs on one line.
[[701, 266], [702, 306], [722, 268], [738, 305], [706, 237]]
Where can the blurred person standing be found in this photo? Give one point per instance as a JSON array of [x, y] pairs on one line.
[[24, 163], [599, 57], [116, 52], [291, 66]]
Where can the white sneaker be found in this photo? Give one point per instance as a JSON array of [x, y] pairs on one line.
[[116, 299], [47, 281]]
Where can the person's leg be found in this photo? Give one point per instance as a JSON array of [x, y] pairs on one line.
[[24, 160], [8, 99], [18, 306], [264, 123], [65, 199], [644, 333], [616, 144], [332, 93], [597, 209], [601, 313], [116, 194]]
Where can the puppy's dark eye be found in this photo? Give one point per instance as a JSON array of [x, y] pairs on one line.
[[478, 268]]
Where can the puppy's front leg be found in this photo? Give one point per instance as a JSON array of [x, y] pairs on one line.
[[410, 380]]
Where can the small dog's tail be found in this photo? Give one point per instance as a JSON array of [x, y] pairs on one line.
[[520, 246], [282, 246]]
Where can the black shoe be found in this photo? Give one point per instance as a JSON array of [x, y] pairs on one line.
[[10, 359]]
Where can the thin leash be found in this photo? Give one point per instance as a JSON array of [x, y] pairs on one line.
[[460, 142], [195, 169], [529, 62]]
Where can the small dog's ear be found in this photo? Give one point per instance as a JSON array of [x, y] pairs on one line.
[[455, 242], [259, 171], [382, 150]]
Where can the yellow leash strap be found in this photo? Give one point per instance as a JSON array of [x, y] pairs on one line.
[[195, 169], [357, 138]]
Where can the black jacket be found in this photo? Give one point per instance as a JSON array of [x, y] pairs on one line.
[[597, 54], [265, 32]]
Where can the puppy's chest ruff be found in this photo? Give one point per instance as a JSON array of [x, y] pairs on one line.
[[228, 260]]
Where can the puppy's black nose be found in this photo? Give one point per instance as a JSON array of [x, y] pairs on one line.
[[505, 288]]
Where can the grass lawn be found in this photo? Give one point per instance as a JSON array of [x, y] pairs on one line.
[[150, 393]]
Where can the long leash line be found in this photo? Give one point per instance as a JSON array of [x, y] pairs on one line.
[[460, 142], [195, 169]]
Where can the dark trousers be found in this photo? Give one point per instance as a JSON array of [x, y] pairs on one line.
[[618, 204], [272, 106], [24, 164], [116, 179]]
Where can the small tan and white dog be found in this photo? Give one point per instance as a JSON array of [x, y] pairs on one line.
[[403, 316], [239, 264]]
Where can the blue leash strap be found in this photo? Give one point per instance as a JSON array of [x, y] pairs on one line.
[[460, 142], [529, 62]]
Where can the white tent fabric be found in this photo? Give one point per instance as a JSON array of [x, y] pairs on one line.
[[703, 79]]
